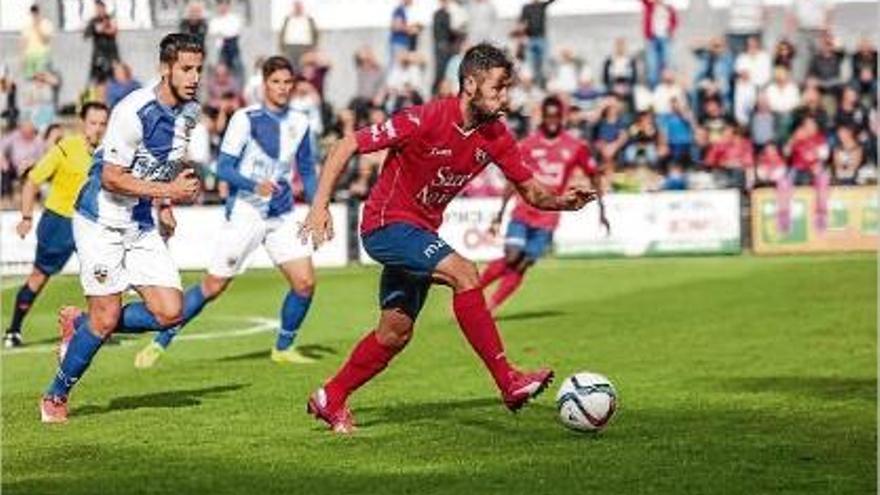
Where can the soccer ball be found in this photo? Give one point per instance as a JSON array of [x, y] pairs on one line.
[[586, 401]]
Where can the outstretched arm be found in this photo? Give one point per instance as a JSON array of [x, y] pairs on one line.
[[542, 197]]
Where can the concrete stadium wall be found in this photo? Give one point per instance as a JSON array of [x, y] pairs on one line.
[[591, 36]]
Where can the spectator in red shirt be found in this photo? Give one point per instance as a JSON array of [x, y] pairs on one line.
[[807, 151], [730, 157]]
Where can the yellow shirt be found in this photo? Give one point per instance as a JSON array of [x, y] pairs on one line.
[[67, 165]]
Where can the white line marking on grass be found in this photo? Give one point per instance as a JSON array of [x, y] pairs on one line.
[[258, 325]]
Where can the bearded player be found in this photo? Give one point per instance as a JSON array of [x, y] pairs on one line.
[[434, 150], [553, 155]]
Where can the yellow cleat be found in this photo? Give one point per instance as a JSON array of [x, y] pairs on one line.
[[290, 355], [148, 356]]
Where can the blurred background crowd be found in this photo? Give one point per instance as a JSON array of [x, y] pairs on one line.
[[738, 109]]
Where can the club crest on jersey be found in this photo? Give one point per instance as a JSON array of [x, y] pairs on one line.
[[100, 273], [481, 157]]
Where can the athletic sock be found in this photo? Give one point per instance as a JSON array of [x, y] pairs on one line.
[[23, 302], [481, 332], [510, 282], [136, 318], [293, 312], [80, 351], [194, 301], [493, 272], [367, 360]]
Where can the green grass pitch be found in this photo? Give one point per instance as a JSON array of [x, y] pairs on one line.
[[735, 375]]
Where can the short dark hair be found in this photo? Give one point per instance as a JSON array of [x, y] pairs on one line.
[[92, 105], [276, 63], [552, 101], [481, 58], [174, 43]]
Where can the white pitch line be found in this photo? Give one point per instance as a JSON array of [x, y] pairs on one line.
[[260, 325]]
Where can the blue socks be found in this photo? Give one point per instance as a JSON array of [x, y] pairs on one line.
[[293, 311], [23, 302], [80, 351], [193, 302], [136, 318]]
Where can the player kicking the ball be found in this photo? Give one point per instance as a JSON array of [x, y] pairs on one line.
[[553, 155], [434, 151], [255, 159], [139, 164]]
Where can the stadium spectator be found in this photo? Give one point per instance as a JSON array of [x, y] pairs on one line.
[[762, 122], [19, 151], [194, 22], [298, 35], [407, 73], [36, 37], [769, 166], [121, 84], [783, 96], [369, 78], [864, 71], [809, 19], [482, 18], [566, 72], [102, 30], [851, 113], [729, 157], [8, 100], [404, 32], [609, 134], [226, 27], [38, 98], [826, 65], [450, 80], [314, 67], [745, 96], [253, 88], [619, 74], [811, 106], [745, 19], [533, 23], [755, 62], [586, 95], [448, 32], [525, 100], [714, 71], [784, 54], [807, 150], [678, 126], [659, 24], [221, 82], [847, 156], [646, 146], [713, 124], [667, 90]]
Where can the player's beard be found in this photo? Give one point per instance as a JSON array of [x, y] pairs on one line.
[[479, 112], [180, 97]]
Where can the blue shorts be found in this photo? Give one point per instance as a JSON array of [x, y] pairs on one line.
[[54, 242], [409, 255], [532, 241]]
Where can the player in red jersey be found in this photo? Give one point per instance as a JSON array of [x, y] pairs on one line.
[[433, 151], [553, 155]]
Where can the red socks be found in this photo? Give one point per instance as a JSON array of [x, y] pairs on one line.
[[367, 360], [508, 285], [479, 328], [495, 270]]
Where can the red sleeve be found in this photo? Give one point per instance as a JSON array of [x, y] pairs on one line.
[[713, 155], [584, 160], [395, 131], [510, 161]]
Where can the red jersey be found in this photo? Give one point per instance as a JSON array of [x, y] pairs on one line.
[[430, 159], [809, 153], [553, 161]]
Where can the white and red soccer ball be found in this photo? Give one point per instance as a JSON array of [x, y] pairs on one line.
[[586, 401]]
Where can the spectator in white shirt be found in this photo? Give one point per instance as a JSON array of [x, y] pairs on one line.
[[669, 89], [226, 27], [756, 62], [299, 34]]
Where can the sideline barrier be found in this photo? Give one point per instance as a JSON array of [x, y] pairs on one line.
[[852, 221], [191, 246]]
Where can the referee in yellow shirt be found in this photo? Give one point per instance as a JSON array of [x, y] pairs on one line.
[[66, 165]]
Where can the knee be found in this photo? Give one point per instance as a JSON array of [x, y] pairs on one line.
[[395, 332], [304, 284], [169, 314], [104, 321], [466, 277]]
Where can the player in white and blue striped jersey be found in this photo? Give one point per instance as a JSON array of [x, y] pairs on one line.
[[139, 164], [256, 159]]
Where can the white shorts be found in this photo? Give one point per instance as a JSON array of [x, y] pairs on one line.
[[245, 230], [114, 259]]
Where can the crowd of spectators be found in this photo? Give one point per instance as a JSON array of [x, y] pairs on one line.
[[754, 112]]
